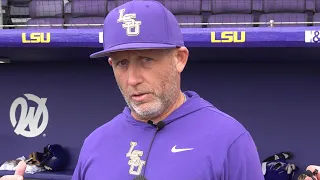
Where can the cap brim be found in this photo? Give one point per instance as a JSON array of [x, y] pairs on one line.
[[131, 46]]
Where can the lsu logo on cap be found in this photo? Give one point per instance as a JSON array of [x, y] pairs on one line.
[[129, 23]]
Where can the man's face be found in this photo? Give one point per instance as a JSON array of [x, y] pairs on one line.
[[149, 80]]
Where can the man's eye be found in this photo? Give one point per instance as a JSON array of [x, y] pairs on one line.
[[147, 59], [122, 63]]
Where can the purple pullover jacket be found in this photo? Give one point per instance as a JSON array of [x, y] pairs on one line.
[[198, 142]]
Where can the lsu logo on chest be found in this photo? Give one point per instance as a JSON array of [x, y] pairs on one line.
[[135, 162], [129, 23]]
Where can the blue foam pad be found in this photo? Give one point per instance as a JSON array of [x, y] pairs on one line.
[[194, 37]]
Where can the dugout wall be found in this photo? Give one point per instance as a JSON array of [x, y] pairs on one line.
[[273, 92]]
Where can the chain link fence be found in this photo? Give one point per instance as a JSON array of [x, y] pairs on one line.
[[17, 14]]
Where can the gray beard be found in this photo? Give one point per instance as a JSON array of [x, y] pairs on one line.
[[158, 106]]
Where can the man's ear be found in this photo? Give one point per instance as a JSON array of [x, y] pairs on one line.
[[110, 61], [182, 55]]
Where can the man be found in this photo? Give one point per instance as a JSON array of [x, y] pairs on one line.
[[163, 133]]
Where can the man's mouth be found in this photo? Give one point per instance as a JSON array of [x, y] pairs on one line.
[[139, 96]]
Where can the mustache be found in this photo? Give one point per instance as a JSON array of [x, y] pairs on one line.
[[138, 91], [128, 93]]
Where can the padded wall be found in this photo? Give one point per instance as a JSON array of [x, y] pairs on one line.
[[80, 97], [277, 102]]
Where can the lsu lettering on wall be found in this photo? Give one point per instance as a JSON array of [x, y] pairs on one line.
[[36, 37], [228, 37]]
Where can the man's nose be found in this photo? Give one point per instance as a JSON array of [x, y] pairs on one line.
[[134, 76]]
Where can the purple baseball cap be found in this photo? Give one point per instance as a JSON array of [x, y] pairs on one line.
[[138, 25]]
